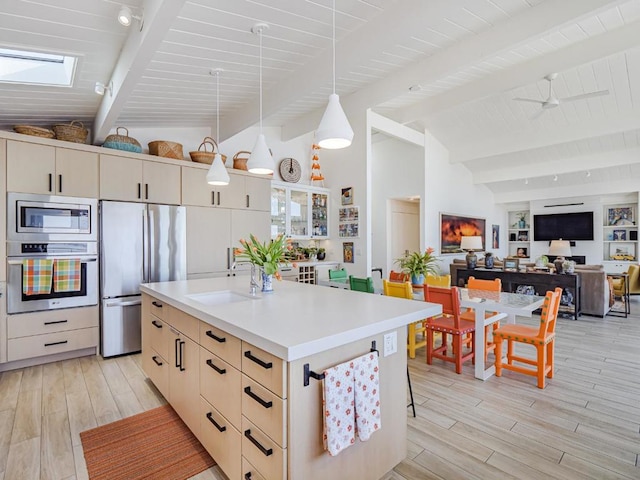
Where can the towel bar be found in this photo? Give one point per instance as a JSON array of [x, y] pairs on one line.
[[308, 373]]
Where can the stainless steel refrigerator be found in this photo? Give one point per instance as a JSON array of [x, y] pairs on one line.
[[139, 243]]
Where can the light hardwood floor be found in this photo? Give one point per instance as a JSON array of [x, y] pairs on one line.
[[585, 424]]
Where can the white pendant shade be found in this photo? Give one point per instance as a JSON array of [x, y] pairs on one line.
[[217, 174], [260, 161], [334, 130]]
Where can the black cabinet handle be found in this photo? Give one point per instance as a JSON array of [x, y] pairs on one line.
[[139, 190], [265, 365], [213, 197], [177, 341], [262, 402], [247, 476], [156, 304], [146, 191], [50, 182], [221, 371], [155, 359], [267, 452], [218, 193], [215, 424], [209, 333], [248, 202], [55, 343], [182, 369], [60, 183], [54, 322], [156, 324]]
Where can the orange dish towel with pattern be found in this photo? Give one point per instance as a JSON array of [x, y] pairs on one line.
[[36, 276], [66, 275]]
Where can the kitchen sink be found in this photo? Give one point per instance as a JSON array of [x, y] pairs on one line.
[[222, 297]]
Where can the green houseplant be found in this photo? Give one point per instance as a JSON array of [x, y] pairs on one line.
[[418, 264]]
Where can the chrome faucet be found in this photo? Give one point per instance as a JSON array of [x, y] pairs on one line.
[[253, 284]]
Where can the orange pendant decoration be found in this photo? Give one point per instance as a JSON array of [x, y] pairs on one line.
[[316, 174]]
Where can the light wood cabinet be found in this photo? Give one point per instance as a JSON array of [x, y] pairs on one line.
[[133, 180], [184, 378], [34, 168]]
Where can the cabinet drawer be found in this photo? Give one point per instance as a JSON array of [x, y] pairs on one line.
[[158, 308], [49, 343], [188, 325], [265, 410], [157, 369], [224, 446], [249, 471], [225, 346], [158, 339], [262, 452], [220, 385], [266, 369], [51, 321]]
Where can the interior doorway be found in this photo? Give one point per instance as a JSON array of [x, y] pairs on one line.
[[404, 229]]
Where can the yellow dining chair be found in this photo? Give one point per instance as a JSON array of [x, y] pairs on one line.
[[438, 280], [404, 290]]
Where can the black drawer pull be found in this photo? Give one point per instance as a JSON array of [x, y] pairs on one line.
[[257, 360], [182, 344], [156, 324], [54, 322], [139, 194], [209, 333], [155, 359], [267, 452], [247, 476], [156, 304], [262, 402], [221, 371], [215, 424], [55, 343]]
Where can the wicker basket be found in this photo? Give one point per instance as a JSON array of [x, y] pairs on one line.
[[35, 131], [163, 148], [73, 132], [122, 142], [207, 157], [240, 160]]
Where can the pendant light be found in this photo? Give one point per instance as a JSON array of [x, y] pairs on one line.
[[260, 161], [334, 130], [217, 174]]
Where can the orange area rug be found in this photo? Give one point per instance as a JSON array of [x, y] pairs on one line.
[[152, 445]]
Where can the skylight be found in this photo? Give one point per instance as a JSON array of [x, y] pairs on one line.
[[21, 66]]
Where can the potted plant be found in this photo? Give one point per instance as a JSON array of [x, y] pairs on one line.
[[321, 253], [266, 255], [522, 219], [418, 265]]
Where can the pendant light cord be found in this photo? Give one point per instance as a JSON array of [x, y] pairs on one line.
[[260, 35], [334, 44], [218, 106]]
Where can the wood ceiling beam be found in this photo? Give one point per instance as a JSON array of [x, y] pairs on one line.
[[517, 30], [137, 52]]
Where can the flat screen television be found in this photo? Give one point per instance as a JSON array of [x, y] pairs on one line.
[[568, 226]]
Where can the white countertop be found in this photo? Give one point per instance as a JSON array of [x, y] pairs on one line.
[[296, 320]]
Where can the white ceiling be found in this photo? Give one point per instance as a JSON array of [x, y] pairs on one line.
[[470, 59]]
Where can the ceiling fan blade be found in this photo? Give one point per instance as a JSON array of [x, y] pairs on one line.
[[537, 115], [518, 99], [584, 96]]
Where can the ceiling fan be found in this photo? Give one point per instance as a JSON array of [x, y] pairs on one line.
[[552, 101]]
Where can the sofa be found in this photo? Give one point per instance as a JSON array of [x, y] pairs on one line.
[[595, 291]]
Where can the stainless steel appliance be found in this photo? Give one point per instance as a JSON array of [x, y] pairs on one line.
[[51, 227], [139, 243], [42, 218]]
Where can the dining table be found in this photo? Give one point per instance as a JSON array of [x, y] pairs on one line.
[[502, 305]]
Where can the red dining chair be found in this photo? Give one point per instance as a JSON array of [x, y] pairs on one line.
[[450, 323]]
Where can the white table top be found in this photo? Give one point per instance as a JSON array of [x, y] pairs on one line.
[[509, 303], [296, 320]]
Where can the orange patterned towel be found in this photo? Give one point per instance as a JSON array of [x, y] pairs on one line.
[[66, 275], [36, 276]]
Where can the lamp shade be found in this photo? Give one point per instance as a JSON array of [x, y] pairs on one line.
[[334, 130], [217, 174], [260, 161], [560, 248], [471, 242]]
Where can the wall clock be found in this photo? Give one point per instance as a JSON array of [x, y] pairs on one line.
[[290, 170]]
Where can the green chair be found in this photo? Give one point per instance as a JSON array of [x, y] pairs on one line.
[[361, 284], [338, 274]]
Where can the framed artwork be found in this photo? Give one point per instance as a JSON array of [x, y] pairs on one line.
[[348, 214], [511, 264], [454, 227], [622, 251], [522, 252], [523, 236], [619, 235], [348, 222], [347, 196], [348, 230], [347, 252], [621, 216], [495, 236]]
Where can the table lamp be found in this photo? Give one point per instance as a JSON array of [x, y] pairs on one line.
[[471, 244], [560, 249]]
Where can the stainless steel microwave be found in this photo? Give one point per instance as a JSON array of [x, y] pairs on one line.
[[39, 218]]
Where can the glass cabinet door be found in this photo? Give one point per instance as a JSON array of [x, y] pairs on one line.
[[319, 217], [299, 213], [278, 211]]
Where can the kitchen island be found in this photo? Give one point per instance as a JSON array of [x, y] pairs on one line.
[[233, 367]]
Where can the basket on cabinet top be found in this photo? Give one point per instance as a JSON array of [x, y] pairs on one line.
[[122, 142], [164, 148], [205, 156], [72, 132]]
